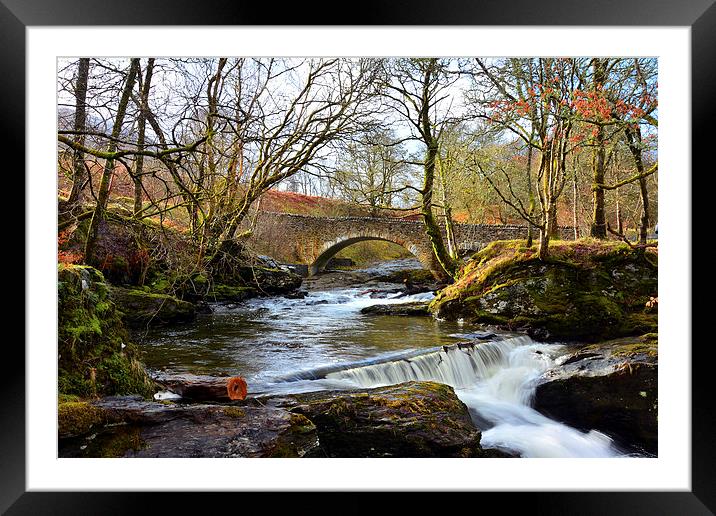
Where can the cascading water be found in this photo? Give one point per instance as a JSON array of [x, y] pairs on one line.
[[323, 342], [496, 381], [459, 366]]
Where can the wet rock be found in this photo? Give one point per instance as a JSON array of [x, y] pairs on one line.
[[313, 302], [380, 293], [140, 308], [417, 308], [610, 387], [298, 294], [477, 335], [413, 419], [163, 429], [202, 307]]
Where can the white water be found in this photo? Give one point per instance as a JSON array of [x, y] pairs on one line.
[[496, 380]]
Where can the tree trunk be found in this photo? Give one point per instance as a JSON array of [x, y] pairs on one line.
[[78, 158], [575, 200], [530, 196], [447, 212], [142, 122], [431, 226], [620, 222], [204, 388], [633, 135], [108, 171], [599, 224], [543, 244]]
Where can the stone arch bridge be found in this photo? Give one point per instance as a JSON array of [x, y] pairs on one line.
[[313, 240]]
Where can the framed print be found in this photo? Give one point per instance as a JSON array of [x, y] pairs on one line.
[[663, 47]]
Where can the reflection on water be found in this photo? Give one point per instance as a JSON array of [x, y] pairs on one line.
[[267, 337]]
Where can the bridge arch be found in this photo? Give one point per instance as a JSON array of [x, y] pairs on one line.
[[331, 248]]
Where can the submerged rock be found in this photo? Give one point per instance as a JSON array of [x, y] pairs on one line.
[[416, 308], [610, 387], [587, 291], [140, 308], [413, 419]]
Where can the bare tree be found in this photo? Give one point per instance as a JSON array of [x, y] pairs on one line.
[[418, 90]]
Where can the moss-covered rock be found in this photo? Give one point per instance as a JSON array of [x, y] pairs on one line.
[[229, 293], [610, 387], [587, 291], [413, 419], [95, 355], [78, 418], [140, 308]]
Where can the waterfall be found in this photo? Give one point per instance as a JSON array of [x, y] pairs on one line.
[[458, 365]]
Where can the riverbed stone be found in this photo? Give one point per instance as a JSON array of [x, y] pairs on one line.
[[412, 419], [610, 387], [417, 308]]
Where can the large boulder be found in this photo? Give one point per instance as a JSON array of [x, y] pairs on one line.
[[95, 354], [413, 419], [610, 387], [141, 308], [587, 291]]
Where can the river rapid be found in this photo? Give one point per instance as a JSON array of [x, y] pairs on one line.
[[322, 341]]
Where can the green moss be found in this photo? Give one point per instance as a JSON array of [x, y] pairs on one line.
[[78, 417], [221, 292], [120, 442], [300, 424], [95, 355], [234, 412]]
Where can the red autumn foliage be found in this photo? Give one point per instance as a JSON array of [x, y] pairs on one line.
[[65, 255]]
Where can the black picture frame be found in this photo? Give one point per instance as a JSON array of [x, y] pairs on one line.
[[699, 15]]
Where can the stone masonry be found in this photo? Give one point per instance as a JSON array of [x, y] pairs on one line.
[[314, 240]]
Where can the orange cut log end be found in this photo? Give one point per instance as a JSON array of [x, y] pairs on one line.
[[236, 387]]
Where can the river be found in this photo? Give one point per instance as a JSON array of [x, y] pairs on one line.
[[322, 341]]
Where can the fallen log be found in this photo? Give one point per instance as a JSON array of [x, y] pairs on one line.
[[204, 388]]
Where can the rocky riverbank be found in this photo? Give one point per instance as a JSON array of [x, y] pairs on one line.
[[588, 291], [414, 419]]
